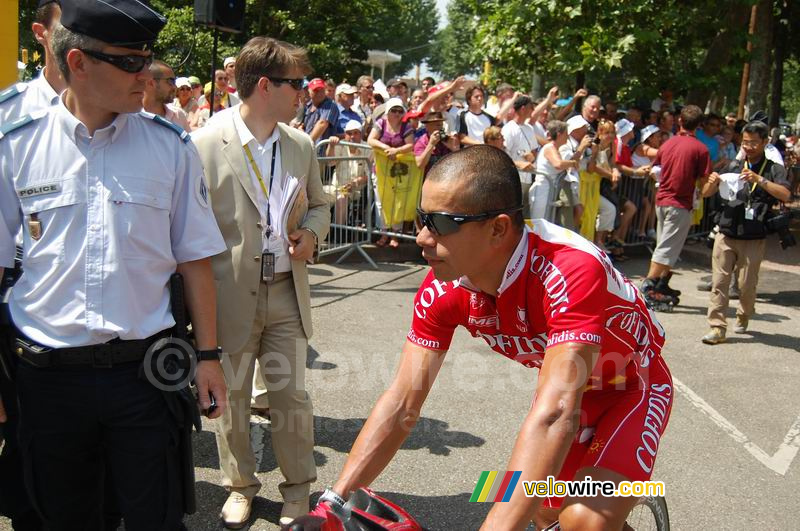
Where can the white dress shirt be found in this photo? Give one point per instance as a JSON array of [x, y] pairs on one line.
[[519, 139], [105, 221], [33, 95], [262, 154]]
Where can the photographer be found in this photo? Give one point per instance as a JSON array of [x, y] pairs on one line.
[[434, 143], [742, 228]]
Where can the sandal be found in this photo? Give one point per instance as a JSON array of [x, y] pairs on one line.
[[382, 241]]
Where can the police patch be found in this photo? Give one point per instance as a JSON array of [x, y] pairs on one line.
[[41, 189], [201, 190]]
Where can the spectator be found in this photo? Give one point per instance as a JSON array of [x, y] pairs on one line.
[[394, 137], [322, 114], [159, 91], [229, 65], [365, 86], [435, 143], [707, 134], [183, 97], [684, 160], [643, 156], [650, 118], [612, 108], [350, 176], [562, 112], [221, 93], [730, 119], [473, 121], [591, 110], [601, 162], [666, 123], [549, 166], [345, 97], [727, 148], [575, 148], [427, 83], [634, 115], [440, 98], [493, 136], [197, 88], [203, 113], [398, 88], [664, 102], [740, 242], [501, 103], [417, 97], [521, 144], [623, 159], [330, 89]]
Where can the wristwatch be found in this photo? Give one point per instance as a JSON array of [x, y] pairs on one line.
[[209, 355], [332, 497]]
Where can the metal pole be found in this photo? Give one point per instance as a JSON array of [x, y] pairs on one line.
[[746, 70], [213, 71]]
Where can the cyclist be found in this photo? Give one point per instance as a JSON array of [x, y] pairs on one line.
[[544, 297]]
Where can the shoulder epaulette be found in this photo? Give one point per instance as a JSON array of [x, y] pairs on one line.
[[166, 123], [13, 91], [22, 121]]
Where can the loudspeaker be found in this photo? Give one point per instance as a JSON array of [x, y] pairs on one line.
[[225, 15]]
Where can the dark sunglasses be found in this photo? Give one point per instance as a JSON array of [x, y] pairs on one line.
[[296, 84], [444, 223], [397, 110], [128, 63]]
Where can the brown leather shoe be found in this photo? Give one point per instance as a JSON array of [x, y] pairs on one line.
[[236, 511], [292, 510]]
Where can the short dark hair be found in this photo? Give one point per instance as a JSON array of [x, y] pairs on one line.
[[265, 57], [45, 14], [711, 116], [739, 126], [429, 78], [691, 117], [489, 177], [522, 101], [757, 127]]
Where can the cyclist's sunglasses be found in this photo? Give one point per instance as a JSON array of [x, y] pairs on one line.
[[444, 223], [296, 84], [129, 63]]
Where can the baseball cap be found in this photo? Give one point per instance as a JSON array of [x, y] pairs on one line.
[[623, 127], [648, 131], [344, 88], [394, 102], [352, 125], [194, 80], [412, 114], [576, 122], [183, 82], [227, 61], [316, 84]]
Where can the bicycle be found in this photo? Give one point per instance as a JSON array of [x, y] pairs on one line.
[[649, 514]]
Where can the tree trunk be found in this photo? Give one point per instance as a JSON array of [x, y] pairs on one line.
[[761, 59], [720, 50], [781, 42]]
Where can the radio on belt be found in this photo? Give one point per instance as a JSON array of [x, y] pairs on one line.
[[268, 267]]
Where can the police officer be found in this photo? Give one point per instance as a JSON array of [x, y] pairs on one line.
[[15, 101], [111, 202]]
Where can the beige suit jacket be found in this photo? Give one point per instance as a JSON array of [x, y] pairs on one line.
[[237, 271]]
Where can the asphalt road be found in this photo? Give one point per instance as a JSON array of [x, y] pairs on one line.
[[727, 458]]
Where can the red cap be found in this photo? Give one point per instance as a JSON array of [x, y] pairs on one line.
[[315, 84], [412, 114]]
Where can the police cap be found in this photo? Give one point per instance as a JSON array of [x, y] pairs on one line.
[[124, 23]]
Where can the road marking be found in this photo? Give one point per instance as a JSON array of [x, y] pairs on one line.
[[779, 462], [258, 431]]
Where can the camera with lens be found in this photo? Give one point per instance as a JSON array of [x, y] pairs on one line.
[[780, 223]]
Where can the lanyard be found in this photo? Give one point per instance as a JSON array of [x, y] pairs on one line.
[[261, 180], [760, 172]]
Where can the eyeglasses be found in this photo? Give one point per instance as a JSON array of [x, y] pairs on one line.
[[444, 223], [170, 80], [128, 63], [751, 143], [183, 88], [295, 83], [369, 87]]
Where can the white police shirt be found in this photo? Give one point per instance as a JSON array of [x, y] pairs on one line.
[[24, 98], [105, 221]]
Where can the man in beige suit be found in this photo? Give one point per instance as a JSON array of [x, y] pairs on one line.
[[262, 282]]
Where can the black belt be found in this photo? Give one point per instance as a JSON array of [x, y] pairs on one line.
[[104, 355]]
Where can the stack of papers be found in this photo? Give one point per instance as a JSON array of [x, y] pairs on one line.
[[294, 206]]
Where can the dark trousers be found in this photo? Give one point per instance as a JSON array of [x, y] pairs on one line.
[[14, 501], [91, 433]]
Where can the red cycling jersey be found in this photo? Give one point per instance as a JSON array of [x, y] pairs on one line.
[[559, 288]]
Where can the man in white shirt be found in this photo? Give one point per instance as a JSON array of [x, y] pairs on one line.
[[521, 144]]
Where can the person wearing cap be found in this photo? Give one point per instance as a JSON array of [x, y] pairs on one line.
[[264, 304], [398, 88], [434, 143], [684, 161], [474, 120], [322, 114], [229, 65], [345, 97], [159, 92], [349, 176], [111, 202], [575, 148], [623, 160], [643, 156], [16, 101], [197, 88], [183, 97], [521, 144], [394, 137]]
